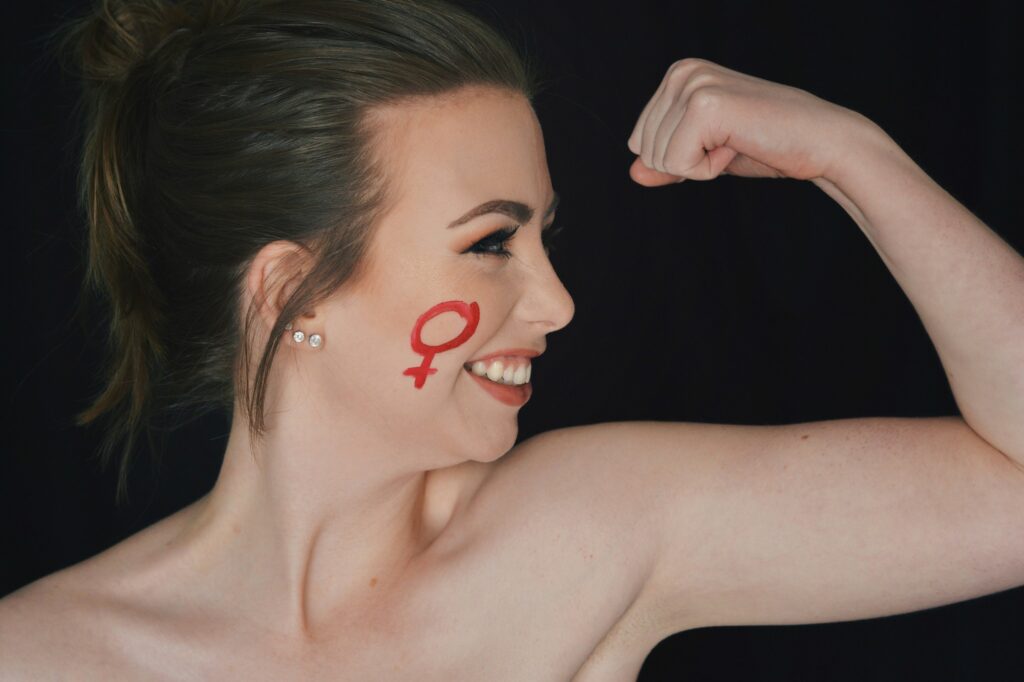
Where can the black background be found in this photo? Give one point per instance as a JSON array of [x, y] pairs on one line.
[[733, 301]]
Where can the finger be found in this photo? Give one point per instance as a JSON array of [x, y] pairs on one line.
[[697, 81], [703, 164], [675, 76], [717, 160], [669, 124], [682, 78], [697, 148], [635, 137], [653, 123]]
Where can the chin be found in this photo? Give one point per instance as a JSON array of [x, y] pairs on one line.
[[496, 442]]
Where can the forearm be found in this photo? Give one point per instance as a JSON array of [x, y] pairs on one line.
[[965, 282]]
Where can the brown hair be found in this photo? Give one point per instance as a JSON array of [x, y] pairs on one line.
[[216, 127]]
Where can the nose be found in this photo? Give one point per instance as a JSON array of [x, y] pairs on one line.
[[545, 300]]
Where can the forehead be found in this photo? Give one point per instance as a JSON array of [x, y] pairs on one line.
[[444, 155]]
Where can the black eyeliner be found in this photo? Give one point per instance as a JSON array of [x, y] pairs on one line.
[[497, 238]]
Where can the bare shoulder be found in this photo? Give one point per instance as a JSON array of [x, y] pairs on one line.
[[48, 627], [562, 546], [71, 619], [593, 491], [569, 490], [23, 631]]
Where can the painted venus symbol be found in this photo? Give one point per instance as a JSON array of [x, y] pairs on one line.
[[469, 312]]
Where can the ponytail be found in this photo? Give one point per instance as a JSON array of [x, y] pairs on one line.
[[109, 47]]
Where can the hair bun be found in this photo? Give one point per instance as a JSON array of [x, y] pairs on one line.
[[111, 41]]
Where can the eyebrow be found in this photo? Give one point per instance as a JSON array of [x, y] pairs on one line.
[[516, 210]]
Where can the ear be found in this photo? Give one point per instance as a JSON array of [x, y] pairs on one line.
[[273, 276]]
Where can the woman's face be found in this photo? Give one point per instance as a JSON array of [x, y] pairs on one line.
[[424, 287]]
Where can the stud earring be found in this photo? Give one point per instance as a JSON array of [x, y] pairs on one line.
[[315, 340]]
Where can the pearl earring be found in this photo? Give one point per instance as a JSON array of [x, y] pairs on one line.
[[315, 340]]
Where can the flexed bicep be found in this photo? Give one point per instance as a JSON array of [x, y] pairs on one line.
[[831, 521]]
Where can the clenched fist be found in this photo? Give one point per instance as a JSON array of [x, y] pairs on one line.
[[705, 120]]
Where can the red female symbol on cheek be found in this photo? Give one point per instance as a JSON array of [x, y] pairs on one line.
[[469, 312]]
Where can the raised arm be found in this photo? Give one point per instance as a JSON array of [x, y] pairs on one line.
[[965, 282], [824, 521], [850, 518]]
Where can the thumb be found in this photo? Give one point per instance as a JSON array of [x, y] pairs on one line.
[[648, 177]]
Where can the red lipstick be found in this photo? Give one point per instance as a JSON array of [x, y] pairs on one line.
[[515, 396], [524, 352]]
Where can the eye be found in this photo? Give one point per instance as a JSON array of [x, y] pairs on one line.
[[494, 243]]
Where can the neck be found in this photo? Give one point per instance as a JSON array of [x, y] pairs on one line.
[[308, 525]]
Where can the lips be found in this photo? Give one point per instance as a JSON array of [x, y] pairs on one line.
[[515, 396], [523, 352]]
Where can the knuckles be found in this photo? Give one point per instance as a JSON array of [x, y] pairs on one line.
[[701, 78], [688, 62], [704, 98], [682, 69]]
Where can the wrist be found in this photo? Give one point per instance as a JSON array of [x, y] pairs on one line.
[[867, 163], [857, 143]]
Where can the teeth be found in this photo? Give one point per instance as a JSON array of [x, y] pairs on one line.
[[496, 371]]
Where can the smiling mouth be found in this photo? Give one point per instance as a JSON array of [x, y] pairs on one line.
[[504, 370], [509, 394]]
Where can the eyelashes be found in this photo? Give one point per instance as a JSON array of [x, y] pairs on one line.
[[494, 243]]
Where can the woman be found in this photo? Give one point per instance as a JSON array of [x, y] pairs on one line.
[[371, 174]]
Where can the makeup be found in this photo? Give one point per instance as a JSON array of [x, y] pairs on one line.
[[468, 311], [510, 395]]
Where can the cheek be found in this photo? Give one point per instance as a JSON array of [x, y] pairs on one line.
[[470, 314]]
